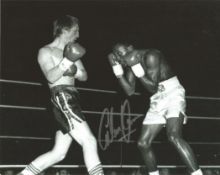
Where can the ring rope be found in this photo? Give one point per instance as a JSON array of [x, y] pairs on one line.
[[25, 137], [96, 112], [112, 166], [131, 141], [100, 113], [102, 90], [23, 107], [20, 82], [113, 113]]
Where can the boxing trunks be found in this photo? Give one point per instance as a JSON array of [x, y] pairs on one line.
[[167, 102], [66, 108]]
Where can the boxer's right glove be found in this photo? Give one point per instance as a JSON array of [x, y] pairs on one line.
[[133, 60], [71, 71], [116, 66], [71, 53]]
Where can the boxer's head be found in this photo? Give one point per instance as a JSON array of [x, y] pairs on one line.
[[66, 26], [120, 50], [151, 54]]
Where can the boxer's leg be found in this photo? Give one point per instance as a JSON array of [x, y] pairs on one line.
[[58, 153], [80, 131], [83, 135], [174, 133], [148, 133]]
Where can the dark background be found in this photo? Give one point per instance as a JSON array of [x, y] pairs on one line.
[[188, 33]]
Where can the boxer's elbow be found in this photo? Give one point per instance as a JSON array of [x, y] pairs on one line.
[[51, 79], [52, 76], [130, 91], [83, 76]]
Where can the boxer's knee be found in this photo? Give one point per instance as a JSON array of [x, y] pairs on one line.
[[89, 141], [144, 144], [174, 139], [58, 155]]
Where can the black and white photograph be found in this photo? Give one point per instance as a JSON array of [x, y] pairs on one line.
[[110, 87]]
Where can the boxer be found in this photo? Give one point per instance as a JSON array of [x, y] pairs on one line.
[[167, 103], [60, 62]]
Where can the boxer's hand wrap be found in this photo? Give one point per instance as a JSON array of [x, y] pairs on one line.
[[116, 67], [65, 64], [138, 70], [118, 70]]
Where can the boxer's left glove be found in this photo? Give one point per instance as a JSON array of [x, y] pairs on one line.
[[116, 66], [132, 59]]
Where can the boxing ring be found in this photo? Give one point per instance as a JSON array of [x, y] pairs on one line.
[[27, 128]]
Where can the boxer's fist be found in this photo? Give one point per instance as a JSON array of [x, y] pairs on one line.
[[116, 67], [73, 51], [112, 59], [132, 58], [71, 71]]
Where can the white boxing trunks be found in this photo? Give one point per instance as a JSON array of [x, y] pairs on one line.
[[167, 102]]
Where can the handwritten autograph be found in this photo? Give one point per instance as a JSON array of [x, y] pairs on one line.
[[109, 133]]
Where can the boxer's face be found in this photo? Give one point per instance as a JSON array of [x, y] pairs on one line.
[[121, 51], [72, 34]]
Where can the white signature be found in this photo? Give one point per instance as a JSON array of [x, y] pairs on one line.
[[109, 133]]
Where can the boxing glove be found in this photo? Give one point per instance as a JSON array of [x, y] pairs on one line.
[[116, 67], [73, 51], [71, 71], [133, 59]]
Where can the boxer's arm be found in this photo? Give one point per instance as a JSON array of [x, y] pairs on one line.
[[51, 72], [148, 84], [127, 82], [81, 73], [151, 79]]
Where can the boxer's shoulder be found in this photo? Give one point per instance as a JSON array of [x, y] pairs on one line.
[[44, 54], [51, 51], [45, 50]]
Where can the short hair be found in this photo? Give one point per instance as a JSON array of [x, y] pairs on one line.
[[65, 22], [117, 45], [154, 52]]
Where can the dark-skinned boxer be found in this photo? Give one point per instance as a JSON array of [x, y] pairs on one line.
[[167, 103]]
